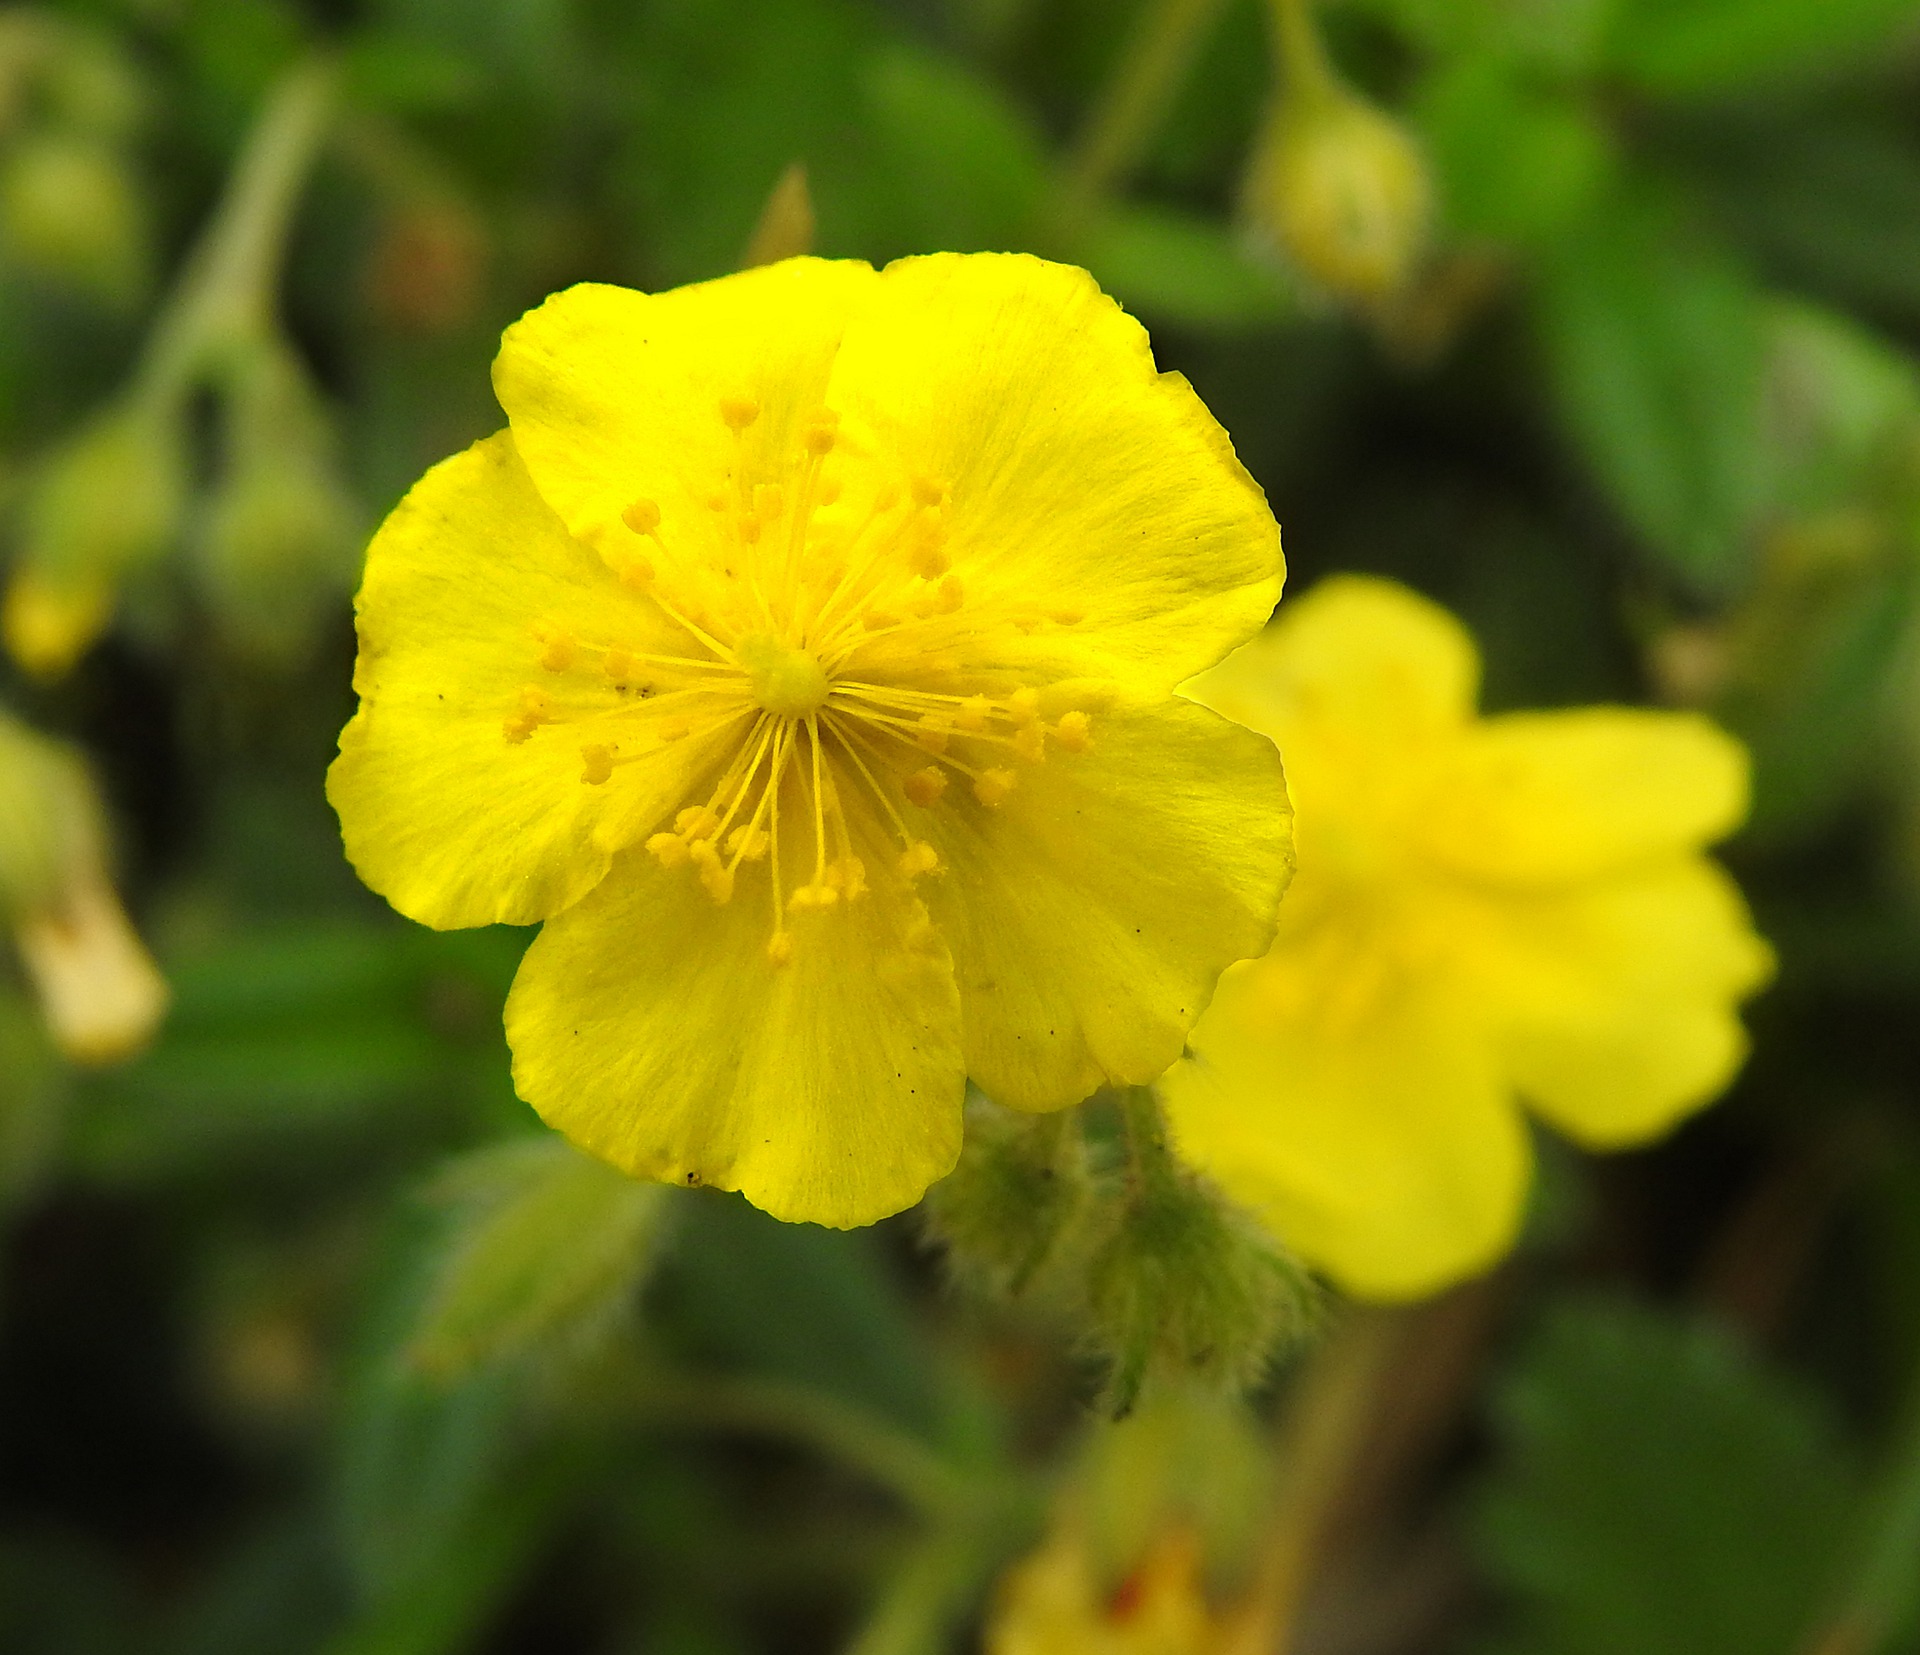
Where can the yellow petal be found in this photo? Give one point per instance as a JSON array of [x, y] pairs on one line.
[[101, 992], [1539, 798], [616, 396], [443, 815], [1385, 1148], [1622, 997], [1081, 487], [1091, 912], [649, 1025], [1356, 653]]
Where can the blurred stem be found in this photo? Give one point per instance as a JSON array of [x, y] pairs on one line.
[[1150, 1157], [934, 1585], [849, 1435], [1301, 55], [1153, 67], [1879, 1599], [227, 287], [1323, 1430]]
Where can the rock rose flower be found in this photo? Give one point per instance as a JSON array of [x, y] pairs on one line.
[[1488, 910], [803, 654]]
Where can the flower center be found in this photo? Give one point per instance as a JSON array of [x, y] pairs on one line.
[[786, 681]]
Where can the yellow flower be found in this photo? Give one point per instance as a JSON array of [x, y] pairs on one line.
[[803, 653], [1488, 910]]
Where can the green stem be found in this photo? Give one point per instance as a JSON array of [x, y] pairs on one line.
[[1300, 58], [227, 287], [1152, 69], [1150, 1157], [1879, 1600], [837, 1431]]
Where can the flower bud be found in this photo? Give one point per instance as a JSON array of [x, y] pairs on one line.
[[1339, 186], [282, 535], [1186, 1285], [99, 991], [69, 212], [106, 504], [1021, 1185], [1343, 189]]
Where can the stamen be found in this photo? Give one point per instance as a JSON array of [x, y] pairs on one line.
[[1074, 732], [597, 764], [992, 787], [643, 516], [924, 787], [738, 412], [558, 655]]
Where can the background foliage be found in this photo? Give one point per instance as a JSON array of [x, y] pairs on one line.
[[310, 1341]]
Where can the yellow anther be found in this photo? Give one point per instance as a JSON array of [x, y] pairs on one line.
[[928, 559], [716, 501], [830, 491], [819, 439], [558, 655], [1074, 732], [714, 874], [750, 529], [949, 597], [596, 763], [1066, 617], [769, 501], [780, 948], [668, 849], [924, 787], [878, 620], [534, 705], [673, 729], [933, 733], [617, 664], [739, 412], [1030, 742], [643, 516], [747, 843], [1024, 704], [696, 822], [848, 876], [991, 787], [636, 574], [926, 492], [886, 498], [919, 857], [813, 896], [973, 713], [517, 727]]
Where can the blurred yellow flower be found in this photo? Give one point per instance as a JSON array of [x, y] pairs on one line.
[[803, 653], [1488, 910], [99, 991]]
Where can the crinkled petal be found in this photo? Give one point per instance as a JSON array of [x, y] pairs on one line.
[[1089, 498], [1359, 655], [1091, 913], [1540, 798], [616, 396], [649, 1026], [1387, 1150], [443, 815], [1623, 997]]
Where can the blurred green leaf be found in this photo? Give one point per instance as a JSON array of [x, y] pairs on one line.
[[1517, 162], [965, 169], [33, 1101], [1565, 36], [1655, 346], [542, 1246], [794, 1301], [1681, 48], [1658, 1491], [1176, 267]]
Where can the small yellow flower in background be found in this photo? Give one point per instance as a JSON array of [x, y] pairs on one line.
[[98, 989], [1154, 1546], [1487, 911], [803, 653]]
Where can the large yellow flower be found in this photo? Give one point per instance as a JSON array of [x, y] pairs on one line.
[[803, 653], [1487, 910]]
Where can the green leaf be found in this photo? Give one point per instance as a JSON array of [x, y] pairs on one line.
[[1681, 48], [541, 1246], [1563, 36], [1516, 162], [1173, 266], [1657, 1491], [1655, 345], [33, 1101]]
